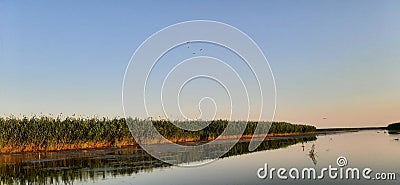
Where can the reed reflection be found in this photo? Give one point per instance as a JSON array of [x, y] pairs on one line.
[[82, 165]]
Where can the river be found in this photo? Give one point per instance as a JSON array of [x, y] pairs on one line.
[[373, 149]]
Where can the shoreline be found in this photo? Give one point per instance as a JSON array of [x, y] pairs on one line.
[[351, 129], [120, 144], [41, 134]]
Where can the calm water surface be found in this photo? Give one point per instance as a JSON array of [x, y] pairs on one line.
[[373, 149]]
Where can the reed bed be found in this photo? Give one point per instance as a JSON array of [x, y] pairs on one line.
[[48, 134]]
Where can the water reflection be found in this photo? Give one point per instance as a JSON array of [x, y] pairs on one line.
[[363, 149], [312, 154], [82, 165]]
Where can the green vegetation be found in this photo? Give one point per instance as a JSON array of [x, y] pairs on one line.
[[394, 126], [45, 133], [215, 128]]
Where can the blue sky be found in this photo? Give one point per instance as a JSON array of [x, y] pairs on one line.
[[334, 59]]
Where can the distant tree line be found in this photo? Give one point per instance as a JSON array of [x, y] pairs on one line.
[[394, 126]]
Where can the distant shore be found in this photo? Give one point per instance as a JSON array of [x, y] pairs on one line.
[[350, 129]]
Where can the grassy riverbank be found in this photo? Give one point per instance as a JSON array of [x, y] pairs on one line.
[[53, 134]]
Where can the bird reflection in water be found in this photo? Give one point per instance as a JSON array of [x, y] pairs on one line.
[[312, 154]]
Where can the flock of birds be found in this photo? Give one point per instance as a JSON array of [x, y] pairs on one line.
[[188, 46]]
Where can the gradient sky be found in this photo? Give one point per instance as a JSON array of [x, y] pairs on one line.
[[333, 59]]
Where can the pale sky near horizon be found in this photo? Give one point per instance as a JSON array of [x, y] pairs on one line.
[[338, 60]]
